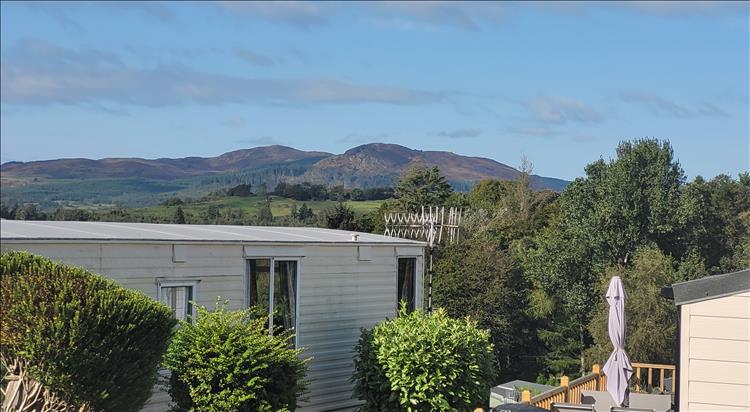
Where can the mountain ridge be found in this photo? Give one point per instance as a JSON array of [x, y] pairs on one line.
[[367, 165]]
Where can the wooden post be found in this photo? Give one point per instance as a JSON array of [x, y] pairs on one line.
[[674, 378], [564, 382], [638, 379], [526, 396], [661, 380], [596, 370]]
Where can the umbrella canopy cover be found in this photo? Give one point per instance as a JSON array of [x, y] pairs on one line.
[[618, 368]]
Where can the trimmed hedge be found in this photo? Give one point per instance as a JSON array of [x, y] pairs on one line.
[[227, 361], [84, 337], [423, 362]]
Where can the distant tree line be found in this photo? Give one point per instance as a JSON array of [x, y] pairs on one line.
[[308, 191]]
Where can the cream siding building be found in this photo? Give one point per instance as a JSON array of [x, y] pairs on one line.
[[714, 356], [327, 284]]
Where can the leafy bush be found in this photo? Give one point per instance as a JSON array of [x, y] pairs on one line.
[[92, 342], [422, 362], [227, 361]]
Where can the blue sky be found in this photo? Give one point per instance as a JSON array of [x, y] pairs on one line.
[[561, 83]]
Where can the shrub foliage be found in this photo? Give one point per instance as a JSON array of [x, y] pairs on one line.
[[92, 342], [227, 361], [422, 362]]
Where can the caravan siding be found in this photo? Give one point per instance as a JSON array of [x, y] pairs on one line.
[[219, 269], [715, 354], [341, 289], [339, 294]]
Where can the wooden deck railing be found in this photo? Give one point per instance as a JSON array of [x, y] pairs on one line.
[[650, 369], [570, 391]]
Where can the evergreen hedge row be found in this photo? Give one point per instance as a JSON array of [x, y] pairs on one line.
[[84, 337]]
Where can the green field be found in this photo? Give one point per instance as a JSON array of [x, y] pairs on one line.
[[250, 206]]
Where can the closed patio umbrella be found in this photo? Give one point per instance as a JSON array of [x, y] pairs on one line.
[[618, 368]]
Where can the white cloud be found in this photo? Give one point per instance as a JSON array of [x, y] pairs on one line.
[[459, 133], [258, 141], [257, 59], [541, 132], [234, 121], [34, 72], [662, 107], [466, 15], [359, 138], [559, 110], [303, 14]]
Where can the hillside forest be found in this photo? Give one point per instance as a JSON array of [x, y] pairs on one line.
[[531, 266]]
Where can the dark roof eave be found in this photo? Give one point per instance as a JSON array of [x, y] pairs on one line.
[[711, 287]]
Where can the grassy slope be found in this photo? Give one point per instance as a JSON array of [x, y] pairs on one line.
[[251, 205]]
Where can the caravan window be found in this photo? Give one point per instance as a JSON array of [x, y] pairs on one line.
[[178, 296], [272, 287], [407, 277]]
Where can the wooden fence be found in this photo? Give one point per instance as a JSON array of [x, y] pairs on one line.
[[650, 368], [570, 391]]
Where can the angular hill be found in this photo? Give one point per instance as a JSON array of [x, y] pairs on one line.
[[135, 181], [381, 164]]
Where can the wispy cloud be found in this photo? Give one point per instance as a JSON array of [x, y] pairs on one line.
[[662, 107], [65, 13], [465, 15], [234, 121], [683, 8], [559, 110], [468, 15], [35, 72], [258, 141], [258, 59], [404, 15], [364, 138], [541, 132], [459, 133], [303, 14]]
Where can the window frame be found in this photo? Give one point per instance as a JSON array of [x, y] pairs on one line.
[[271, 278], [180, 282], [418, 280]]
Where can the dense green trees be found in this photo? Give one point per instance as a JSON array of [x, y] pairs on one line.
[[340, 216], [422, 186], [265, 215], [651, 319], [724, 235], [601, 220], [307, 191], [241, 190], [476, 278], [481, 276], [552, 255], [601, 226], [179, 216]]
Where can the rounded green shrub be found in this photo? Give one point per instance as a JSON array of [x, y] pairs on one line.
[[93, 343], [227, 361], [423, 362]]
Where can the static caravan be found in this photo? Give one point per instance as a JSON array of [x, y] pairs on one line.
[[714, 343], [325, 284]]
